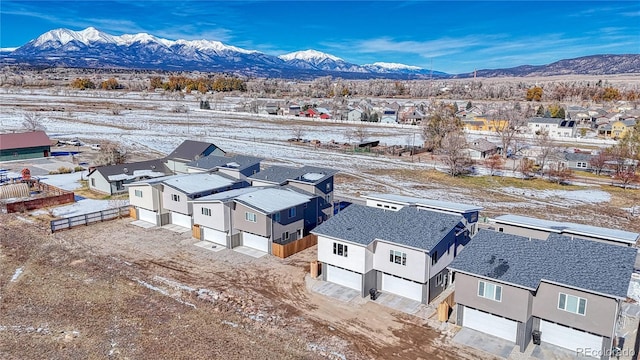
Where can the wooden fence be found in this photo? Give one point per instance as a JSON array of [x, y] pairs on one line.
[[283, 251], [88, 219], [54, 196]]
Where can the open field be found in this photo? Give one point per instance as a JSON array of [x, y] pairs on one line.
[[115, 290]]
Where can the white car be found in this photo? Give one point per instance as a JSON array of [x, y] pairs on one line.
[[95, 146]]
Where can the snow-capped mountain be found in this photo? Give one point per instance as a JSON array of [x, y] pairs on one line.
[[93, 48]]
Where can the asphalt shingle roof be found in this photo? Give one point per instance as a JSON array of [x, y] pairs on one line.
[[583, 264], [239, 162], [281, 174], [156, 166], [189, 150], [200, 182], [420, 229]]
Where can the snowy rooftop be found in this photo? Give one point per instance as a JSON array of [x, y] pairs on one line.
[[569, 228], [196, 183], [270, 200], [227, 195], [432, 204], [136, 174]]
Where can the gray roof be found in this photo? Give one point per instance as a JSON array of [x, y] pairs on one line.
[[152, 167], [226, 196], [190, 150], [200, 182], [541, 120], [570, 228], [575, 263], [238, 162], [420, 229], [281, 174], [433, 204], [270, 199], [482, 145], [577, 156]]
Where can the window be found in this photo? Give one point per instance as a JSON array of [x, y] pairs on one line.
[[574, 304], [292, 212], [328, 187], [93, 182], [276, 217], [138, 193], [175, 197], [397, 257], [581, 165], [340, 249], [249, 216], [285, 235], [489, 291], [434, 258], [440, 279], [206, 211]]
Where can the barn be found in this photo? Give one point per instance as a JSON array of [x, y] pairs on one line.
[[26, 145]]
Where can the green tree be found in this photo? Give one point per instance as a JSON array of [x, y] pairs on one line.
[[540, 111], [469, 105], [556, 111]]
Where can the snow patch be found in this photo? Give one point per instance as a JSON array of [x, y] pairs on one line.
[[16, 275], [308, 55], [572, 196]]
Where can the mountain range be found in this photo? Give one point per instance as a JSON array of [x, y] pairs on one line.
[[91, 48]]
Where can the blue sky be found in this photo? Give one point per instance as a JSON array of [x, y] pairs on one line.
[[449, 36]]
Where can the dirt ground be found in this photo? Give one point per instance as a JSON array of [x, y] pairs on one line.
[[114, 290]]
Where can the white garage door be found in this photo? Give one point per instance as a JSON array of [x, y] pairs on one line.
[[490, 324], [181, 220], [344, 277], [218, 237], [402, 287], [147, 215], [569, 338], [256, 242]]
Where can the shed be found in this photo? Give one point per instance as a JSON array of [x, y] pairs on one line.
[[26, 145]]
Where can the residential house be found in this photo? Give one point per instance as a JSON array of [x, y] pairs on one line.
[[469, 114], [480, 149], [542, 229], [412, 116], [312, 180], [577, 161], [26, 145], [389, 116], [112, 179], [255, 217], [616, 129], [555, 128], [189, 151], [237, 166], [355, 115], [295, 109], [404, 252], [566, 288], [165, 200]]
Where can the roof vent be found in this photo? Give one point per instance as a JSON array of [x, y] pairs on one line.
[[125, 170], [153, 166]]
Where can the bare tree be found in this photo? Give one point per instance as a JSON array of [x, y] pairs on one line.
[[508, 124], [454, 150], [360, 133], [298, 133], [526, 167], [494, 163], [32, 122], [559, 173], [546, 149], [441, 122], [599, 162], [111, 154]]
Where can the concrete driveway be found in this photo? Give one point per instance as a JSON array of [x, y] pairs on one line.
[[487, 343]]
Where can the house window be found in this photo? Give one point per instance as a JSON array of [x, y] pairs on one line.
[[581, 165], [138, 193], [276, 217], [93, 182], [249, 216], [328, 187], [398, 257], [175, 197], [340, 249], [574, 304], [285, 235], [206, 211], [434, 258], [489, 291], [292, 212], [440, 279]]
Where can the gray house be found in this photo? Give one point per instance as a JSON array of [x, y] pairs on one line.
[[189, 151], [254, 217], [542, 229], [577, 161], [237, 166], [113, 178], [310, 179], [568, 289], [404, 252]]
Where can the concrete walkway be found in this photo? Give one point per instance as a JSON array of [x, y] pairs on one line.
[[210, 246], [143, 224], [249, 251]]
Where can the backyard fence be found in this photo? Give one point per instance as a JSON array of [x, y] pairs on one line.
[[88, 219], [49, 196], [283, 251]]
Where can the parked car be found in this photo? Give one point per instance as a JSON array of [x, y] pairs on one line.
[[95, 146]]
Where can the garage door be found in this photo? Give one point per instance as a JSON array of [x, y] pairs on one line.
[[402, 287], [147, 215], [218, 237], [569, 338], [181, 220], [344, 277], [256, 242], [490, 324]]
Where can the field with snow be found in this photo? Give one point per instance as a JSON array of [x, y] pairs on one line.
[[148, 126]]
